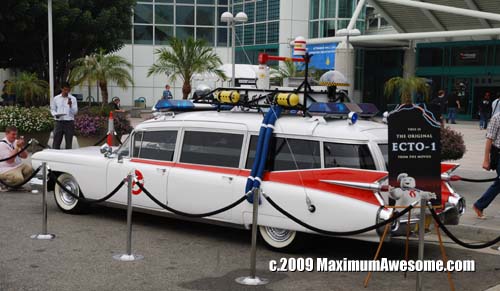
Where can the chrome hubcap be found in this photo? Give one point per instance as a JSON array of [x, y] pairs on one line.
[[65, 197], [278, 234]]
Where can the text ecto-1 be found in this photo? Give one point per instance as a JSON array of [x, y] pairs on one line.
[[413, 146]]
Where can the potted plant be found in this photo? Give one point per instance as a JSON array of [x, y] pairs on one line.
[[31, 122], [89, 128]]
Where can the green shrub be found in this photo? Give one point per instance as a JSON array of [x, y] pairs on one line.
[[26, 119], [452, 144]]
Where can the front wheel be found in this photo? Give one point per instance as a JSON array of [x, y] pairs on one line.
[[65, 201], [282, 240]]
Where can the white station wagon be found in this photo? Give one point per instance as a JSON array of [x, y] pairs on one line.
[[199, 161]]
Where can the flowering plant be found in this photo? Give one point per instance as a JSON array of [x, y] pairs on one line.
[[26, 119], [89, 125]]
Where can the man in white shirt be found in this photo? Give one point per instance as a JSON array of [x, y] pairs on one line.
[[13, 171], [64, 109]]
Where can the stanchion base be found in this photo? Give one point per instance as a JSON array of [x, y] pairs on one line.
[[41, 236], [128, 258], [252, 281]]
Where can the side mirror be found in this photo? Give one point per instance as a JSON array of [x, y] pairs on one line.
[[120, 157], [106, 150]]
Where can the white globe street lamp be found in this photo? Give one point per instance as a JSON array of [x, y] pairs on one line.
[[227, 17]]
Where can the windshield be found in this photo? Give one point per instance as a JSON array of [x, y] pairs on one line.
[[384, 148], [124, 148]]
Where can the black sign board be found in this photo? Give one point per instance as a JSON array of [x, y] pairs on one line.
[[415, 148]]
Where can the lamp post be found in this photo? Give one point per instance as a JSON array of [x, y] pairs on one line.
[[228, 17]]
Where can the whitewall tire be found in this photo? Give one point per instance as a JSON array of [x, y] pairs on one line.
[[280, 239], [64, 201]]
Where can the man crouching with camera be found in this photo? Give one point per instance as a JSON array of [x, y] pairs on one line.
[[13, 171]]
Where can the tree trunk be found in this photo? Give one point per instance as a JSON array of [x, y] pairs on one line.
[[186, 89], [103, 85]]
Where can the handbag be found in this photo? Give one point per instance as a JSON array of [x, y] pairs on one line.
[[494, 158]]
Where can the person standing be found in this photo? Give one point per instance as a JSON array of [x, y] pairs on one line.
[[438, 106], [453, 107], [64, 108], [492, 144], [13, 171], [484, 111], [167, 95]]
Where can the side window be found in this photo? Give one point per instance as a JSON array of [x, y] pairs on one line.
[[287, 154], [155, 145], [212, 148], [348, 156]]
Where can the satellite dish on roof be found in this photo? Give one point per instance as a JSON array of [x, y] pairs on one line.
[[333, 78]]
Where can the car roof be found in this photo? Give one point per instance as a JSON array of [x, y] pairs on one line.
[[362, 130]]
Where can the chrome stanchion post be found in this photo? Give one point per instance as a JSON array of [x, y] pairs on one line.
[[128, 257], [253, 279], [421, 241], [44, 235]]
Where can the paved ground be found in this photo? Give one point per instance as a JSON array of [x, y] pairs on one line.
[[193, 256], [186, 256]]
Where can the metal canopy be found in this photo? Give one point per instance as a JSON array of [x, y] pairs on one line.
[[414, 19]]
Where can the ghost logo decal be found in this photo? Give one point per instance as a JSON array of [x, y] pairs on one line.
[[140, 179]]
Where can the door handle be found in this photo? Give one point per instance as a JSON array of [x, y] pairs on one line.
[[229, 178], [161, 170]]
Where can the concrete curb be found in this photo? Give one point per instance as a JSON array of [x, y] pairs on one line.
[[473, 232]]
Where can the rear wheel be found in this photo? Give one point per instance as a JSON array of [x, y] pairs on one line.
[[65, 201], [282, 240]]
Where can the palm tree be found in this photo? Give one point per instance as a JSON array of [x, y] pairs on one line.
[[405, 87], [101, 68], [289, 69], [30, 89], [183, 59]]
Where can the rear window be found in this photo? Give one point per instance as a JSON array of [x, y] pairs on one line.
[[212, 148], [287, 154], [355, 156]]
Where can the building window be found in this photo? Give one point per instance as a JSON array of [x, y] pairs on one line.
[[249, 34], [250, 11], [222, 36], [430, 57], [314, 9], [163, 34], [143, 34], [239, 35], [164, 14], [184, 15], [261, 9], [185, 1], [328, 9], [287, 154], [164, 1], [346, 8], [273, 32], [260, 33], [327, 28], [212, 148], [205, 15], [273, 10], [143, 13], [313, 29], [208, 2], [206, 33], [184, 32]]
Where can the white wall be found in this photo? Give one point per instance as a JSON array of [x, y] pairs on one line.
[[142, 57]]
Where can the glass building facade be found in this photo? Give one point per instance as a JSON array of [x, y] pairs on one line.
[[155, 21], [328, 16]]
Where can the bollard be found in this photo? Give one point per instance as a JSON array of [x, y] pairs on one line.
[[44, 235], [253, 279], [129, 257], [421, 241]]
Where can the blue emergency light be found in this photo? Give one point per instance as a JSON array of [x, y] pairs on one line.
[[174, 105], [331, 109]]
